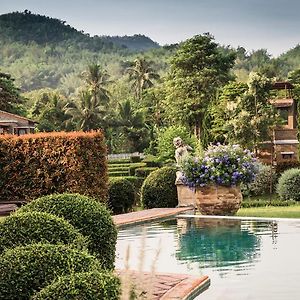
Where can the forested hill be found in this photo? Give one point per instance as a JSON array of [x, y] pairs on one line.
[[26, 27]]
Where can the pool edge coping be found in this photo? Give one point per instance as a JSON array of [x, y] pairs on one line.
[[188, 288]]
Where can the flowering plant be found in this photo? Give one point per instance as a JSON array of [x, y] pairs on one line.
[[220, 164]]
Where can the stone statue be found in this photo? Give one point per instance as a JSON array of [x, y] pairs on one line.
[[181, 151]]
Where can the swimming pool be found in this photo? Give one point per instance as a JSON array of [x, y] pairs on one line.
[[245, 259]]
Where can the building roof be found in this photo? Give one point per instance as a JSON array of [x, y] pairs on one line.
[[284, 102], [13, 116], [282, 85]]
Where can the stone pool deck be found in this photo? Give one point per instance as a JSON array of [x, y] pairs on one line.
[[161, 286]]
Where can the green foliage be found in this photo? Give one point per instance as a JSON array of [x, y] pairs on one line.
[[198, 69], [264, 203], [265, 178], [121, 195], [166, 136], [288, 187], [243, 115], [152, 161], [159, 189], [91, 285], [89, 216], [33, 227], [27, 269], [135, 166], [9, 93], [144, 171]]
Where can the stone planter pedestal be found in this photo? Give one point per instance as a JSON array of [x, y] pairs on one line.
[[211, 200]]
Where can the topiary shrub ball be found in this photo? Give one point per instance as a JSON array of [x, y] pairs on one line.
[[91, 285], [159, 189], [92, 219], [25, 270], [33, 227], [288, 187], [120, 195]]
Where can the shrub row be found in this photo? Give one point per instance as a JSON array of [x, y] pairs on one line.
[[43, 256], [264, 203], [33, 227], [45, 163], [91, 218], [89, 285], [26, 269]]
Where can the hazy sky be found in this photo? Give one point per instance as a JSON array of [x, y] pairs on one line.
[[253, 24]]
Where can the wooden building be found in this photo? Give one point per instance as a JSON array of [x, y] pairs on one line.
[[284, 143], [14, 124]]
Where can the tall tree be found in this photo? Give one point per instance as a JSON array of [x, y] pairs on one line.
[[244, 113], [198, 69], [86, 112], [9, 94], [97, 80], [142, 76]]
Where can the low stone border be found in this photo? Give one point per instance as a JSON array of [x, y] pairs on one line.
[[166, 286]]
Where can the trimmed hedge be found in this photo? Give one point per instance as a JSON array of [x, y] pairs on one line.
[[118, 173], [264, 203], [288, 187], [121, 195], [144, 172], [159, 189], [44, 163], [89, 216], [33, 227], [135, 166], [119, 161], [152, 161], [27, 269], [92, 285]]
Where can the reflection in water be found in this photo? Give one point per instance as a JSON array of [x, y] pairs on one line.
[[244, 259], [216, 242]]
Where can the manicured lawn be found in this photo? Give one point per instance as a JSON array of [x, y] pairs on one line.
[[271, 212]]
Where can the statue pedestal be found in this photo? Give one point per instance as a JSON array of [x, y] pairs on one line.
[[210, 200]]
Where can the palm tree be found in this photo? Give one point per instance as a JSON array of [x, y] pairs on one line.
[[87, 113], [97, 79], [132, 125], [142, 76]]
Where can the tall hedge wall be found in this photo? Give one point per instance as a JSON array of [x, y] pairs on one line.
[[45, 163]]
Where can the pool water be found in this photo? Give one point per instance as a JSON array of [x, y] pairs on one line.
[[245, 259]]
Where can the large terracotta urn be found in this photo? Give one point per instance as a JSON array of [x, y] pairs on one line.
[[211, 199]]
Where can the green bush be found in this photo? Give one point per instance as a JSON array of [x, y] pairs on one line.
[[118, 173], [135, 166], [144, 171], [86, 214], [264, 203], [159, 189], [121, 195], [152, 161], [91, 285], [33, 227], [135, 159], [27, 269], [262, 182], [288, 187], [165, 145], [119, 161]]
